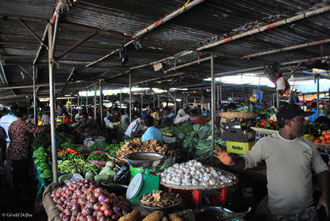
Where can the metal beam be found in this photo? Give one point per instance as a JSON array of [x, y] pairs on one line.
[[212, 106], [76, 46], [34, 95], [139, 34], [71, 73], [32, 32], [44, 85]]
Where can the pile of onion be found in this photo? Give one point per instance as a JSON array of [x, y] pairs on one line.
[[82, 200]]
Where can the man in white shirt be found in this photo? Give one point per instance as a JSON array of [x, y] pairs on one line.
[[6, 120], [134, 128], [290, 158]]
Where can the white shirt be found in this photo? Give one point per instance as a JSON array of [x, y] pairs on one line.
[[289, 164], [5, 122], [135, 126], [108, 123]]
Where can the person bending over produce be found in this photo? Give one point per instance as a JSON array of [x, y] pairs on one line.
[[87, 125], [181, 117], [152, 133], [19, 147], [289, 157], [134, 128]]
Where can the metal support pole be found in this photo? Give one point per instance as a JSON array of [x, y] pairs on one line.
[[218, 97], [120, 100], [277, 99], [158, 101], [130, 96], [71, 112], [78, 103], [212, 105], [101, 103], [86, 102], [175, 105], [141, 102], [318, 94], [52, 104], [34, 95], [274, 99], [95, 109], [154, 104]]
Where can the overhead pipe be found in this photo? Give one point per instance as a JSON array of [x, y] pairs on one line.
[[41, 85], [101, 103], [266, 27], [151, 27], [95, 102]]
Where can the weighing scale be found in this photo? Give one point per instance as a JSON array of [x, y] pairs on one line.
[[143, 182]]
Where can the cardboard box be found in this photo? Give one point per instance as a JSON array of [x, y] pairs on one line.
[[239, 147]]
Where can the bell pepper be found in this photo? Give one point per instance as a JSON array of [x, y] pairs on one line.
[[263, 123]]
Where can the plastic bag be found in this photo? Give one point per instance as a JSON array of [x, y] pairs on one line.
[[123, 175]]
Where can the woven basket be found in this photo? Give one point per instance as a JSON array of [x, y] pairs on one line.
[[215, 187], [239, 115], [263, 130]]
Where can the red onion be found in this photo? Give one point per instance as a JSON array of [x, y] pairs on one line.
[[108, 212], [90, 218], [89, 196], [100, 213], [66, 218], [61, 215], [107, 200], [104, 207], [74, 213], [89, 205], [86, 211], [101, 218], [97, 194], [98, 190], [115, 217], [101, 198], [95, 213], [93, 200], [96, 206]]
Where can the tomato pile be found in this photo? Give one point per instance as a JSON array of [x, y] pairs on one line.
[[324, 138]]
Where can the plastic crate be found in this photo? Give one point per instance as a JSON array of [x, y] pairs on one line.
[[239, 147]]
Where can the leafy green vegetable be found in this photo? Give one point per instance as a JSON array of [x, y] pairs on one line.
[[97, 157]]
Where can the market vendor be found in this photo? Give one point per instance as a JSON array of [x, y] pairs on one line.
[[229, 108], [290, 159], [194, 119], [167, 118], [135, 128], [181, 117], [152, 132], [86, 125], [19, 151], [66, 119]]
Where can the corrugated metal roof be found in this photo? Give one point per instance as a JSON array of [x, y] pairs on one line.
[[118, 20]]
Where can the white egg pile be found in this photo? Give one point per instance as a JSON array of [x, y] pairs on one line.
[[193, 173]]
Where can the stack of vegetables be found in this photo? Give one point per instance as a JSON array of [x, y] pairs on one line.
[[41, 162], [264, 113], [271, 125], [178, 131], [111, 149], [198, 143], [324, 138]]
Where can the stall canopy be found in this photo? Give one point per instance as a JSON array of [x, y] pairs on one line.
[[162, 44]]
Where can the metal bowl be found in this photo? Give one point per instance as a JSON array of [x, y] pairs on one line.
[[144, 159], [165, 209], [216, 213]]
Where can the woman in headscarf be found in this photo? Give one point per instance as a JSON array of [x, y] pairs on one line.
[[181, 117]]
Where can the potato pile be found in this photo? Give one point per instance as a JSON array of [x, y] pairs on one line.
[[159, 198], [147, 146], [155, 216]]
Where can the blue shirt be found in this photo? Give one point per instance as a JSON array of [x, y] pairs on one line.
[[313, 117], [152, 133]]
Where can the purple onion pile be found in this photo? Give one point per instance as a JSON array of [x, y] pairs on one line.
[[82, 200]]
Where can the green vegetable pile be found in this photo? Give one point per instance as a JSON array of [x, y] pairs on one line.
[[198, 143], [42, 161], [77, 166], [98, 145], [179, 131], [112, 149], [68, 156], [97, 157]]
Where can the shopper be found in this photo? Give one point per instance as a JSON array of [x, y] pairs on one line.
[[19, 151], [289, 158], [135, 128], [66, 119], [326, 110], [313, 117], [152, 132], [3, 145], [194, 119], [167, 118], [45, 117], [8, 119], [181, 117]]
